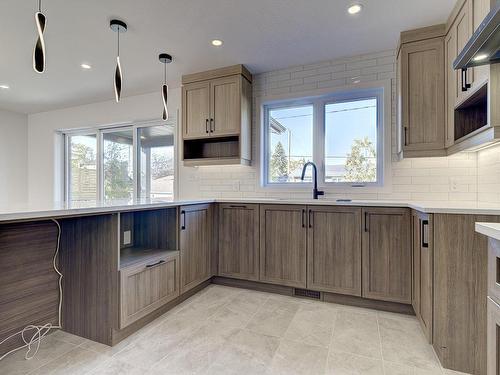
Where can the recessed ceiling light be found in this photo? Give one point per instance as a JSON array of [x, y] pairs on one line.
[[4, 87], [217, 42], [480, 57], [86, 66], [354, 9]]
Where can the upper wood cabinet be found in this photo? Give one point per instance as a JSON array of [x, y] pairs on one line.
[[283, 241], [334, 249], [421, 92], [195, 245], [239, 241], [387, 254], [216, 116]]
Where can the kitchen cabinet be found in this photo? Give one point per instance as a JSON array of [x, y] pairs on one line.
[[196, 110], [460, 292], [386, 265], [451, 87], [216, 117], [334, 249], [148, 285], [195, 245], [493, 338], [421, 92], [239, 241], [422, 274], [283, 243]]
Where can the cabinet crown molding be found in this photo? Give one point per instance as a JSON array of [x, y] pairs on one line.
[[218, 73]]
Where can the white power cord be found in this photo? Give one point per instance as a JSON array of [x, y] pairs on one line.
[[33, 343]]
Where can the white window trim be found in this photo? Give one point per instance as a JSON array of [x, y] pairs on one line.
[[326, 95], [98, 131]]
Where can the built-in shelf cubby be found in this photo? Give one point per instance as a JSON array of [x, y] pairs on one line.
[[472, 114], [147, 235]]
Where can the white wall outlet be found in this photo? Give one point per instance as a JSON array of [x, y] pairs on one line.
[[127, 237], [453, 184], [236, 186]]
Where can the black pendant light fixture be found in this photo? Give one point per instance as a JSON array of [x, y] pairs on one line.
[[118, 27], [165, 58], [39, 50]]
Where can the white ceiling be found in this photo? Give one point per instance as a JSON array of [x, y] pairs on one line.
[[262, 34]]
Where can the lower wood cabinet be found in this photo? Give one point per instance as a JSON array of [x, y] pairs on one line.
[[146, 286], [239, 241], [283, 242], [334, 249], [422, 281], [493, 353], [195, 245], [387, 254]]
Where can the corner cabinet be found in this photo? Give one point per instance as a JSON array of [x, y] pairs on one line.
[[195, 245], [421, 92], [387, 254], [216, 117]]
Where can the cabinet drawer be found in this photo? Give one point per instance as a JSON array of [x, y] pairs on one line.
[[147, 286], [493, 353], [494, 269]]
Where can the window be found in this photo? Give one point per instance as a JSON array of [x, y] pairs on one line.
[[341, 133], [120, 163]]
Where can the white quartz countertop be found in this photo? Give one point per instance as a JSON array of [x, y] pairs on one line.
[[61, 209], [489, 229]]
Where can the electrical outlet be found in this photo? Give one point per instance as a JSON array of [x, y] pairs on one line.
[[127, 237], [453, 184], [236, 186]]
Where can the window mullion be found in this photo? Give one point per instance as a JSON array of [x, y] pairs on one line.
[[318, 139], [135, 155], [100, 165]]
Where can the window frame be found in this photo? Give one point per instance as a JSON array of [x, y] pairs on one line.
[[99, 132], [382, 90]]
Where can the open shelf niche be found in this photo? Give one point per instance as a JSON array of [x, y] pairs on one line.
[[147, 235], [472, 114]]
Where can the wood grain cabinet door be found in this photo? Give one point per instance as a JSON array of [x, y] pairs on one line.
[[450, 44], [422, 90], [283, 242], [493, 354], [195, 245], [239, 241], [334, 250], [387, 254], [196, 110], [146, 287], [225, 106]]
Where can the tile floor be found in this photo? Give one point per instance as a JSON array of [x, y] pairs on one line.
[[224, 330]]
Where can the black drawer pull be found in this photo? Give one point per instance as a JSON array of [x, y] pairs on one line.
[[237, 206], [366, 222], [183, 225], [155, 264], [425, 241]]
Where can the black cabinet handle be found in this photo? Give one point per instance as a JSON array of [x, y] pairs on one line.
[[465, 85], [237, 206], [366, 221], [310, 219], [183, 214], [406, 135], [212, 122], [155, 264], [206, 125], [303, 218], [423, 226]]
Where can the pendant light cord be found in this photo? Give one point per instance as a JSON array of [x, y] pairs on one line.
[[40, 6], [118, 41]]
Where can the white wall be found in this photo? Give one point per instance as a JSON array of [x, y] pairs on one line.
[[44, 157], [13, 158]]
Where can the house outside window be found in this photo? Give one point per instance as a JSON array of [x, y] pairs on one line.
[[119, 162], [341, 133]]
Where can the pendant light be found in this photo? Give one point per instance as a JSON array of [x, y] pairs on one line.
[[165, 58], [39, 50], [118, 27]]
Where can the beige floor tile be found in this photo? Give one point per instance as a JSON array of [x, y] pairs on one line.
[[403, 342], [68, 337], [351, 364], [295, 358], [274, 317], [356, 333], [50, 348], [75, 362], [245, 352], [238, 311], [452, 372], [115, 367], [312, 324]]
